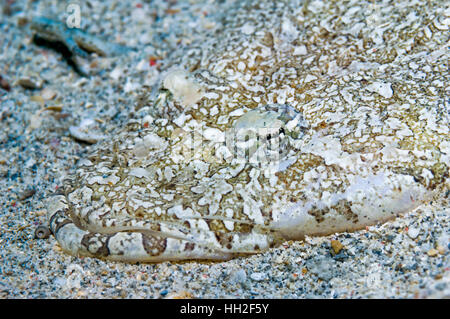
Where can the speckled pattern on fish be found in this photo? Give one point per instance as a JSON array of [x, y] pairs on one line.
[[374, 143]]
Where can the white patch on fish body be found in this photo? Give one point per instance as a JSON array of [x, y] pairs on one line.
[[183, 88]]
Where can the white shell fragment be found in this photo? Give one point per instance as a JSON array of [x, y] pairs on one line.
[[357, 135], [87, 131]]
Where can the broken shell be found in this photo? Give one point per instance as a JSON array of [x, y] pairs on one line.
[[55, 108], [86, 131]]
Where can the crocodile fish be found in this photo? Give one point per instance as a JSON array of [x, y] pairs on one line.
[[292, 119]]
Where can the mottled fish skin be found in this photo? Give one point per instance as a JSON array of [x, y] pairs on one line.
[[76, 40], [374, 140]]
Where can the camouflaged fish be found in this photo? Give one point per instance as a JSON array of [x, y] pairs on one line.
[[293, 119]]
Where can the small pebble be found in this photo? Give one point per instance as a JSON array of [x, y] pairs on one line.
[[27, 194], [441, 249], [432, 252], [413, 232], [238, 276], [35, 120], [179, 295], [164, 292], [322, 266], [258, 276], [278, 260], [48, 94], [4, 84], [60, 281], [337, 246], [37, 98], [30, 83]]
